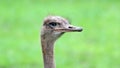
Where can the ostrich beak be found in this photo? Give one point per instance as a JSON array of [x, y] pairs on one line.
[[70, 28]]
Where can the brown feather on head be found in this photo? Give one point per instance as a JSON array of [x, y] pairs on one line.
[[60, 23]]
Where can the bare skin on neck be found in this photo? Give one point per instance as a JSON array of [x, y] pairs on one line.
[[53, 27]]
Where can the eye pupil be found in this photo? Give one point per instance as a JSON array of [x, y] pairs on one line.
[[52, 24]]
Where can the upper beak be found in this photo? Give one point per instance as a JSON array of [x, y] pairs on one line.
[[70, 28]]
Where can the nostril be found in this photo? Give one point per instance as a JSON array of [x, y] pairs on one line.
[[70, 27]]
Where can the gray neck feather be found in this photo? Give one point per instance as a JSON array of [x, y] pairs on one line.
[[47, 41]]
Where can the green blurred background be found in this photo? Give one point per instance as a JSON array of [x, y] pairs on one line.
[[98, 46]]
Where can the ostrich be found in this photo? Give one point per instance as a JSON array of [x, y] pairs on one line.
[[53, 27]]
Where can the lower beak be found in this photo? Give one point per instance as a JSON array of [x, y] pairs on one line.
[[71, 29]]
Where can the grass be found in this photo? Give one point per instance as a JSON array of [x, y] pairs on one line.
[[96, 47]]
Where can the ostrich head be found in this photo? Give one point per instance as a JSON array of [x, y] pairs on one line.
[[55, 26]]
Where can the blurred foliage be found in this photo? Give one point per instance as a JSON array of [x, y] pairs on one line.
[[98, 46]]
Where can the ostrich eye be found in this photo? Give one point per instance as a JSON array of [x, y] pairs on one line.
[[52, 24]]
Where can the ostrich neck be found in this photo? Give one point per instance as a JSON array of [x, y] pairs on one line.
[[48, 52]]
